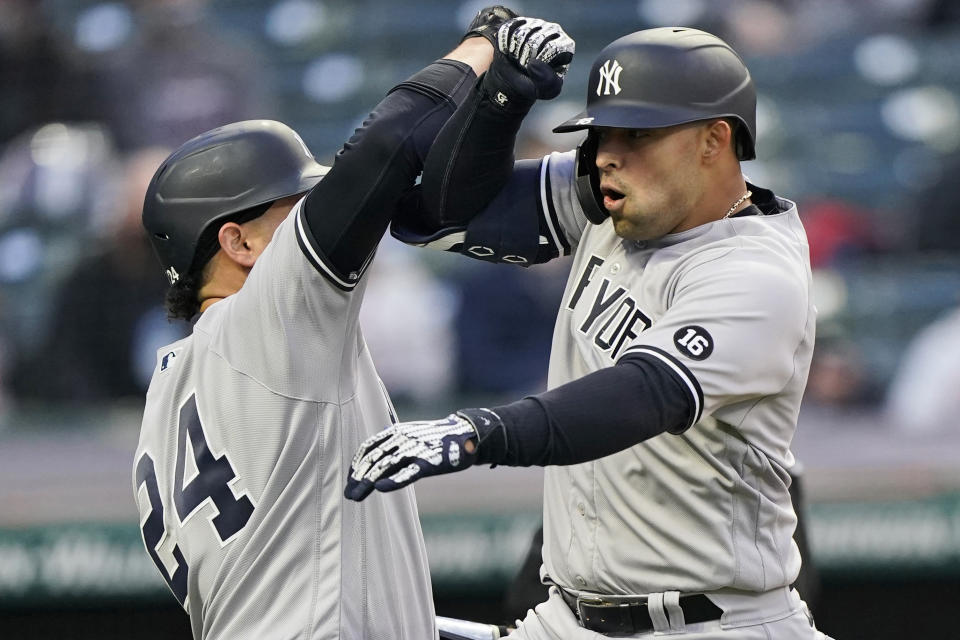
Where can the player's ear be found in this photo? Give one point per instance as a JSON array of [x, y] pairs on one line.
[[234, 243], [718, 136]]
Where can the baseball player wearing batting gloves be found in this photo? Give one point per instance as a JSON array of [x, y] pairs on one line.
[[250, 422], [680, 354]]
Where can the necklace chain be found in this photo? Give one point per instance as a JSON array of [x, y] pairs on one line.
[[736, 204]]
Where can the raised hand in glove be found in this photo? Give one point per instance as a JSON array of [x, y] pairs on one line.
[[530, 59], [407, 451], [487, 22]]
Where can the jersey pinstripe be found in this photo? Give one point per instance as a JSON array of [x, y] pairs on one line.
[[250, 424], [727, 307]]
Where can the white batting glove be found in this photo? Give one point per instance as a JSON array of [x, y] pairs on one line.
[[530, 59], [407, 451], [527, 39]]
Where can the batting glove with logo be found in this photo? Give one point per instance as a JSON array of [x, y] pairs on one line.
[[526, 40], [407, 451], [487, 22], [530, 59]]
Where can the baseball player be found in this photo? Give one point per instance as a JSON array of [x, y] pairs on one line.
[[679, 359], [250, 422]]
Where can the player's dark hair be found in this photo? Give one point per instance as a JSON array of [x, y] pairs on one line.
[[183, 297], [182, 301]]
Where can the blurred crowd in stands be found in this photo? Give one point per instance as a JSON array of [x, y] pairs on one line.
[[859, 119]]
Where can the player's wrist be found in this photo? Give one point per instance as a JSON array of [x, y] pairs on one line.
[[490, 440], [477, 52], [508, 88]]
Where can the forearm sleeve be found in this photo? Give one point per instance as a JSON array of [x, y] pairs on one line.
[[348, 211], [472, 158], [520, 225], [600, 414]]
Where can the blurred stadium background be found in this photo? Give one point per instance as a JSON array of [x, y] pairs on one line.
[[859, 121]]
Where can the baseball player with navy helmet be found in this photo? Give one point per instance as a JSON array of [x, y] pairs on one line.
[[680, 353], [251, 421]]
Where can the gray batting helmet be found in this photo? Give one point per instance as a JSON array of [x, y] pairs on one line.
[[232, 172], [659, 78]]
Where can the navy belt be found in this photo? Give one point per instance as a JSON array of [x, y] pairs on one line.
[[627, 618]]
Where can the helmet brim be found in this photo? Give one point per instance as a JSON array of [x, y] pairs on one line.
[[634, 116]]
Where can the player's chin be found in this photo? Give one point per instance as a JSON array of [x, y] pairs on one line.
[[629, 230], [624, 227], [631, 224]]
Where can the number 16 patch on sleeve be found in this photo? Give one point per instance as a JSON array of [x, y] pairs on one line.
[[694, 342]]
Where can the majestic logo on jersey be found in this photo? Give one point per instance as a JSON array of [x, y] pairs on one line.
[[609, 78], [613, 318], [694, 342]]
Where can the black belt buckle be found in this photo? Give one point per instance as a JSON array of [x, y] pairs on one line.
[[628, 618], [610, 618]]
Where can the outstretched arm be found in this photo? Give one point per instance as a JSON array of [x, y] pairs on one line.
[[600, 414], [672, 372]]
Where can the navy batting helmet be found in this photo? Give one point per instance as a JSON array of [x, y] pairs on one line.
[[233, 172], [659, 78]]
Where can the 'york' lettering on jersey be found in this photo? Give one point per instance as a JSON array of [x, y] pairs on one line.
[[613, 317]]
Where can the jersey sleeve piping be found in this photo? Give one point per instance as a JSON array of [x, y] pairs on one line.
[[686, 377], [559, 240], [345, 282]]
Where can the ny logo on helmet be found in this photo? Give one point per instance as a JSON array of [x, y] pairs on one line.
[[609, 78]]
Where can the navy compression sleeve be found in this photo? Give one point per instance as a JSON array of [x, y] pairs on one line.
[[473, 198], [349, 210], [597, 415], [472, 158]]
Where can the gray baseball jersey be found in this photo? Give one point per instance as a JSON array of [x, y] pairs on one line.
[[249, 428], [727, 306]]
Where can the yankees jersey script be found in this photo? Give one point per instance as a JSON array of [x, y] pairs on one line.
[[249, 426], [727, 306]]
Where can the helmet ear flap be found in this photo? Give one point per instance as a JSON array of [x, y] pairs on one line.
[[588, 180]]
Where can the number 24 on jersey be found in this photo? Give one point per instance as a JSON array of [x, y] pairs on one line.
[[209, 484]]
